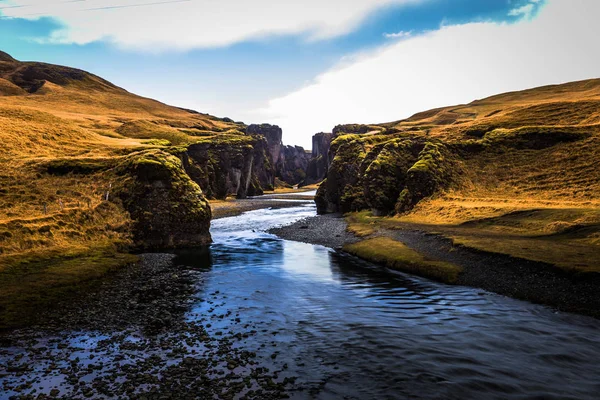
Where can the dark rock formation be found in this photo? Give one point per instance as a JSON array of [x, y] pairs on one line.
[[273, 135], [167, 208], [293, 164], [222, 168], [383, 173], [263, 172], [288, 163], [318, 165]]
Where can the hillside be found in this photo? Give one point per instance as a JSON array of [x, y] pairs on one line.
[[515, 173], [91, 172]]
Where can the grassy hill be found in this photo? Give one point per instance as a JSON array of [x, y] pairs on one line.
[[69, 139], [515, 173]]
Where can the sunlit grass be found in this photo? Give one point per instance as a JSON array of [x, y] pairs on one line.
[[396, 255]]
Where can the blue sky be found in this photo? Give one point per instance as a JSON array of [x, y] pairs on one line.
[[216, 61]]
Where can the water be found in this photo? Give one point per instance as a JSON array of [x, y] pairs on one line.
[[350, 330]]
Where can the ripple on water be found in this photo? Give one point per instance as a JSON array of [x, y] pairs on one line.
[[350, 330]]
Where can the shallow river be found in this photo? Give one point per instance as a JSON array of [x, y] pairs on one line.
[[349, 330]]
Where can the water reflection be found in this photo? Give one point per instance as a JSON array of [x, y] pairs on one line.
[[356, 331], [345, 328]]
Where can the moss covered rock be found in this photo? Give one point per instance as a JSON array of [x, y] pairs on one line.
[[383, 173], [167, 208], [386, 175], [432, 172], [342, 191]]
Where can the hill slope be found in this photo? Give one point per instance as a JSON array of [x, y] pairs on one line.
[[515, 173], [91, 172]]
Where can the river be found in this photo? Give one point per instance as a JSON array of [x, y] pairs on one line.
[[343, 328]]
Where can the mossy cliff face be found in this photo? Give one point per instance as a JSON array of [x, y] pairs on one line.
[[383, 173], [273, 159], [293, 164], [273, 137], [318, 164], [167, 208], [263, 171], [222, 168], [341, 191]]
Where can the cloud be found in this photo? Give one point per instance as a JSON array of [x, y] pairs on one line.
[[185, 24], [453, 65], [398, 35], [524, 11]]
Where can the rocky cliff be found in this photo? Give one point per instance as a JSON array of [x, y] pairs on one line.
[[293, 164], [529, 144], [318, 164], [222, 167], [288, 163], [384, 174], [167, 208]]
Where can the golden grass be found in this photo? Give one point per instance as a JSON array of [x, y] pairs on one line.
[[362, 224], [564, 234], [527, 183], [56, 231], [284, 190], [396, 255]]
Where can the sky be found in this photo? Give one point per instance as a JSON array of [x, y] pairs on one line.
[[310, 65]]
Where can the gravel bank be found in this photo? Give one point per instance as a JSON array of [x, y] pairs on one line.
[[130, 338], [325, 230], [532, 281], [231, 208]]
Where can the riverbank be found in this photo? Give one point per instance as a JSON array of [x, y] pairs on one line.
[[280, 198], [329, 230], [131, 335], [522, 279]]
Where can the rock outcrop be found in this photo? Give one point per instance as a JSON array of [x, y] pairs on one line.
[[383, 173], [293, 164], [318, 164], [221, 168], [273, 135], [288, 163], [167, 209]]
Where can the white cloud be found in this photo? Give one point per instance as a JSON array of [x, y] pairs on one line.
[[184, 24], [398, 35], [453, 65], [524, 11]]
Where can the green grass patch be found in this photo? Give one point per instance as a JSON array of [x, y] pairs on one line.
[[33, 282], [398, 256]]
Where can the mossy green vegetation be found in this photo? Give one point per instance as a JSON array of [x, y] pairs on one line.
[[385, 175], [167, 208], [396, 255], [434, 170], [29, 284], [362, 223]]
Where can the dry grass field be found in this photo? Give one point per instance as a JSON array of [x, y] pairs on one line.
[[527, 183], [62, 131]]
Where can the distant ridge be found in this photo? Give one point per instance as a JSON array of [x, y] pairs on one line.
[[6, 57], [31, 76]]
